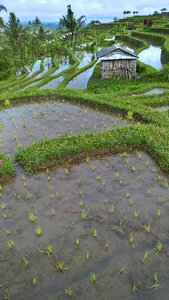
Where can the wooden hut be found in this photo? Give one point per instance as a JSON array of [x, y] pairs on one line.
[[117, 61]]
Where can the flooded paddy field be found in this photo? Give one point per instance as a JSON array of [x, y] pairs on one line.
[[151, 56], [35, 68], [162, 108], [21, 125], [81, 80], [64, 63], [94, 229], [53, 84]]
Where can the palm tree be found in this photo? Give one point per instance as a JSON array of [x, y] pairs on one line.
[[70, 23], [124, 12], [2, 7], [163, 11], [14, 31]]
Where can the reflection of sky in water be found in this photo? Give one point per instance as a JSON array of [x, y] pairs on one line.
[[35, 68], [81, 80], [84, 58], [64, 63], [151, 56]]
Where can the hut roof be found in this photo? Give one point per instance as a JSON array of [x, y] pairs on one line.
[[113, 48]]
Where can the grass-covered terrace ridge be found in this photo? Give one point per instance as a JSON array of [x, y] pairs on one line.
[[7, 169], [49, 152]]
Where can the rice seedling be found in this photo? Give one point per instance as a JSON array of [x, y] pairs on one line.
[[107, 242], [81, 203], [94, 233], [136, 214], [131, 239], [156, 284], [133, 168], [134, 289], [147, 228], [32, 217], [8, 231], [88, 255], [84, 215], [52, 212], [61, 267], [3, 206], [146, 256], [69, 292], [122, 271], [159, 247], [25, 261], [158, 213], [93, 278], [48, 250], [10, 244], [111, 209], [77, 242], [120, 227], [38, 230], [34, 281]]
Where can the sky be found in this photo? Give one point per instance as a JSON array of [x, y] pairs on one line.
[[103, 10]]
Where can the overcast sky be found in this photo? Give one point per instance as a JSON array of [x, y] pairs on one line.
[[105, 10]]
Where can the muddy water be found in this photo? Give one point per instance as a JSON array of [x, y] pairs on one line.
[[23, 124], [152, 57], [81, 80], [112, 192]]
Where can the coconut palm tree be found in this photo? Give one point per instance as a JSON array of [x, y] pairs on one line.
[[70, 23], [2, 7]]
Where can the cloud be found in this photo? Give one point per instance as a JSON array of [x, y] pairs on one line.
[[51, 10]]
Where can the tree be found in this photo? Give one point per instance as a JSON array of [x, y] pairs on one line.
[[14, 31], [163, 10], [41, 33], [70, 23], [124, 13], [2, 7], [36, 23]]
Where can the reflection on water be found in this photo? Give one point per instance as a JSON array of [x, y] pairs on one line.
[[151, 56], [84, 58], [47, 65], [35, 68], [81, 80], [154, 92], [53, 84], [64, 63], [162, 108], [113, 243], [31, 122]]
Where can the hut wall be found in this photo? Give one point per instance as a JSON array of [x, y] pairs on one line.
[[122, 68]]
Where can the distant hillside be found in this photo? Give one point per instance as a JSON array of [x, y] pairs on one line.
[[51, 25]]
